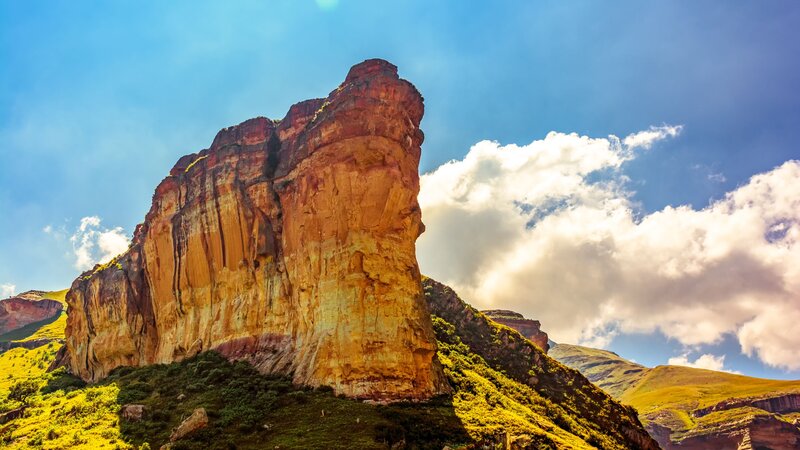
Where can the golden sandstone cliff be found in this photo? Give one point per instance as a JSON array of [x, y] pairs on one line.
[[288, 244]]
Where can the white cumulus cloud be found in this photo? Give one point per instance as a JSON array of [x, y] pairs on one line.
[[549, 229], [7, 290], [93, 244], [704, 361]]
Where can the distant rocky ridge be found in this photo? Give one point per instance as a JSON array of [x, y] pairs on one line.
[[685, 408], [531, 329], [780, 404], [288, 244], [25, 309]]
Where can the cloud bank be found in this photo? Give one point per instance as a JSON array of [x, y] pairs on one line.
[[93, 244], [549, 229]]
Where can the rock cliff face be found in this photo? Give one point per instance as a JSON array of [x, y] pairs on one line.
[[531, 329], [289, 244], [754, 433], [25, 309], [781, 404]]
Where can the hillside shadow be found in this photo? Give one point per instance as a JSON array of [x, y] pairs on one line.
[[248, 410]]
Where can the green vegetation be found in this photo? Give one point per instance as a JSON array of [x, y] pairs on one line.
[[246, 410], [192, 164], [690, 388], [606, 369], [22, 391], [668, 395], [114, 262], [490, 403], [20, 364], [504, 382]]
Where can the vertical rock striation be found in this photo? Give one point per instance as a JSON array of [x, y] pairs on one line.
[[288, 244]]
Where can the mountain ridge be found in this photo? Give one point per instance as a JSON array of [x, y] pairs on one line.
[[691, 408]]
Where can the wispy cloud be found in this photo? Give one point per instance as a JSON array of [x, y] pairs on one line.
[[550, 230], [646, 139], [93, 244], [711, 174]]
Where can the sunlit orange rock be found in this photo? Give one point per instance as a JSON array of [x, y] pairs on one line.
[[288, 244], [531, 329]]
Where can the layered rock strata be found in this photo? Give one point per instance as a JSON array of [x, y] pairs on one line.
[[289, 244], [781, 404], [25, 309]]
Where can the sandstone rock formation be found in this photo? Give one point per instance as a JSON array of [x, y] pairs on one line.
[[781, 404], [289, 244], [132, 413], [197, 421], [531, 329], [754, 433], [25, 309]]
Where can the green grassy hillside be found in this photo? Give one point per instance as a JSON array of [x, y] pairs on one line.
[[606, 369], [490, 405], [668, 396], [568, 404]]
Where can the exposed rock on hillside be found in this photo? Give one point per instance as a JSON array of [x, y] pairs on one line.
[[25, 309], [756, 432], [576, 405], [786, 403], [289, 244], [531, 329], [693, 409]]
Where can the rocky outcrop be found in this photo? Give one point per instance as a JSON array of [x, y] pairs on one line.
[[507, 351], [132, 413], [531, 329], [25, 309], [781, 404], [8, 416], [198, 420], [755, 433], [667, 396], [289, 244]]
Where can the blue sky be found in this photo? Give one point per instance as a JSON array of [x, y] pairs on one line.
[[98, 101]]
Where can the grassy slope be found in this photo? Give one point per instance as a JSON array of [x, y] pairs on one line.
[[570, 401], [248, 410], [606, 369], [666, 395]]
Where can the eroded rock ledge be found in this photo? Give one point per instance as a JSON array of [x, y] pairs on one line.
[[288, 244], [531, 329]]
